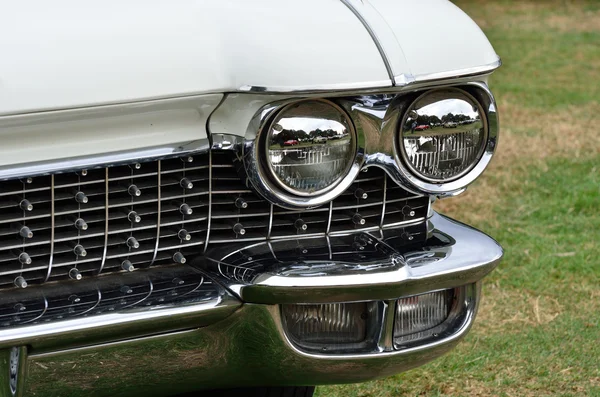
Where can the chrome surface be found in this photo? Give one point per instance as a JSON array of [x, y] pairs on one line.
[[219, 356], [385, 342], [410, 80], [150, 318], [379, 265], [114, 307], [341, 87], [304, 137], [252, 153], [145, 229], [405, 81], [379, 118], [73, 322], [375, 330], [158, 211], [442, 135], [101, 161]]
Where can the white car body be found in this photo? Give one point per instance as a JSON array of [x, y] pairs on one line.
[[80, 79], [213, 194]]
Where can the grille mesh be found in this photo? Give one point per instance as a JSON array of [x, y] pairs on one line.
[[82, 223]]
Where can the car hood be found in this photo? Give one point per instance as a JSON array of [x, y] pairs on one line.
[[68, 54]]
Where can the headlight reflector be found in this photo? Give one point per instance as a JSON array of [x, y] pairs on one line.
[[310, 147], [443, 135]]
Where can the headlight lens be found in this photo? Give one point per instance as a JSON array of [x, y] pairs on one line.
[[443, 135], [310, 147]]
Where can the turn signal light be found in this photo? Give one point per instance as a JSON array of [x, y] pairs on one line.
[[327, 327], [419, 316]]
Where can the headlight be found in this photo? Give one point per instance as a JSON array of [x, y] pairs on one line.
[[309, 147], [443, 135]]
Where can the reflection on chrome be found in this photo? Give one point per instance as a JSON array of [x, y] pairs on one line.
[[93, 297], [355, 254], [380, 264], [443, 134], [310, 146], [378, 121]]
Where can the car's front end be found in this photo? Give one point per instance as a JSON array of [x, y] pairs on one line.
[[250, 235]]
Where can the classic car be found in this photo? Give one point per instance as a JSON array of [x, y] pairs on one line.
[[422, 127], [157, 239]]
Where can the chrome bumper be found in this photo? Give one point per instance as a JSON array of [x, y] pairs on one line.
[[217, 323]]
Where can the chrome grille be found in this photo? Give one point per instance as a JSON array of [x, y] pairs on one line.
[[81, 223]]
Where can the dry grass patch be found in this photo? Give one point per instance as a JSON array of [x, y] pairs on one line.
[[505, 309], [562, 16]]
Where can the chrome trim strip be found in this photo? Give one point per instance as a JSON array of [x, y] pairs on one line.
[[329, 247], [106, 226], [101, 161], [158, 209], [41, 314], [386, 339], [404, 80], [373, 34], [117, 318], [150, 291], [330, 215], [51, 259], [270, 221], [338, 87], [112, 326], [385, 178], [209, 215], [94, 306]]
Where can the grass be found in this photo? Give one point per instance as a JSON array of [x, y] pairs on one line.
[[538, 329]]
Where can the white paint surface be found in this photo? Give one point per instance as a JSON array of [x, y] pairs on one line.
[[68, 53], [434, 37]]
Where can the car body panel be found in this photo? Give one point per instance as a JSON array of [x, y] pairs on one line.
[[112, 52], [160, 50], [426, 38], [103, 86], [151, 128]]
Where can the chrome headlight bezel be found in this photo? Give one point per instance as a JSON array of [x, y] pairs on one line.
[[485, 100], [455, 95], [376, 120], [260, 174]]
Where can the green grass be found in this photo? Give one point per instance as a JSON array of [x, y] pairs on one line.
[[550, 60], [538, 329]]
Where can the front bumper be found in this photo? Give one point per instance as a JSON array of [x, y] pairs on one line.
[[218, 322]]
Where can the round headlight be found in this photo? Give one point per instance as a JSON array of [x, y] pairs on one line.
[[443, 135], [310, 147]]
